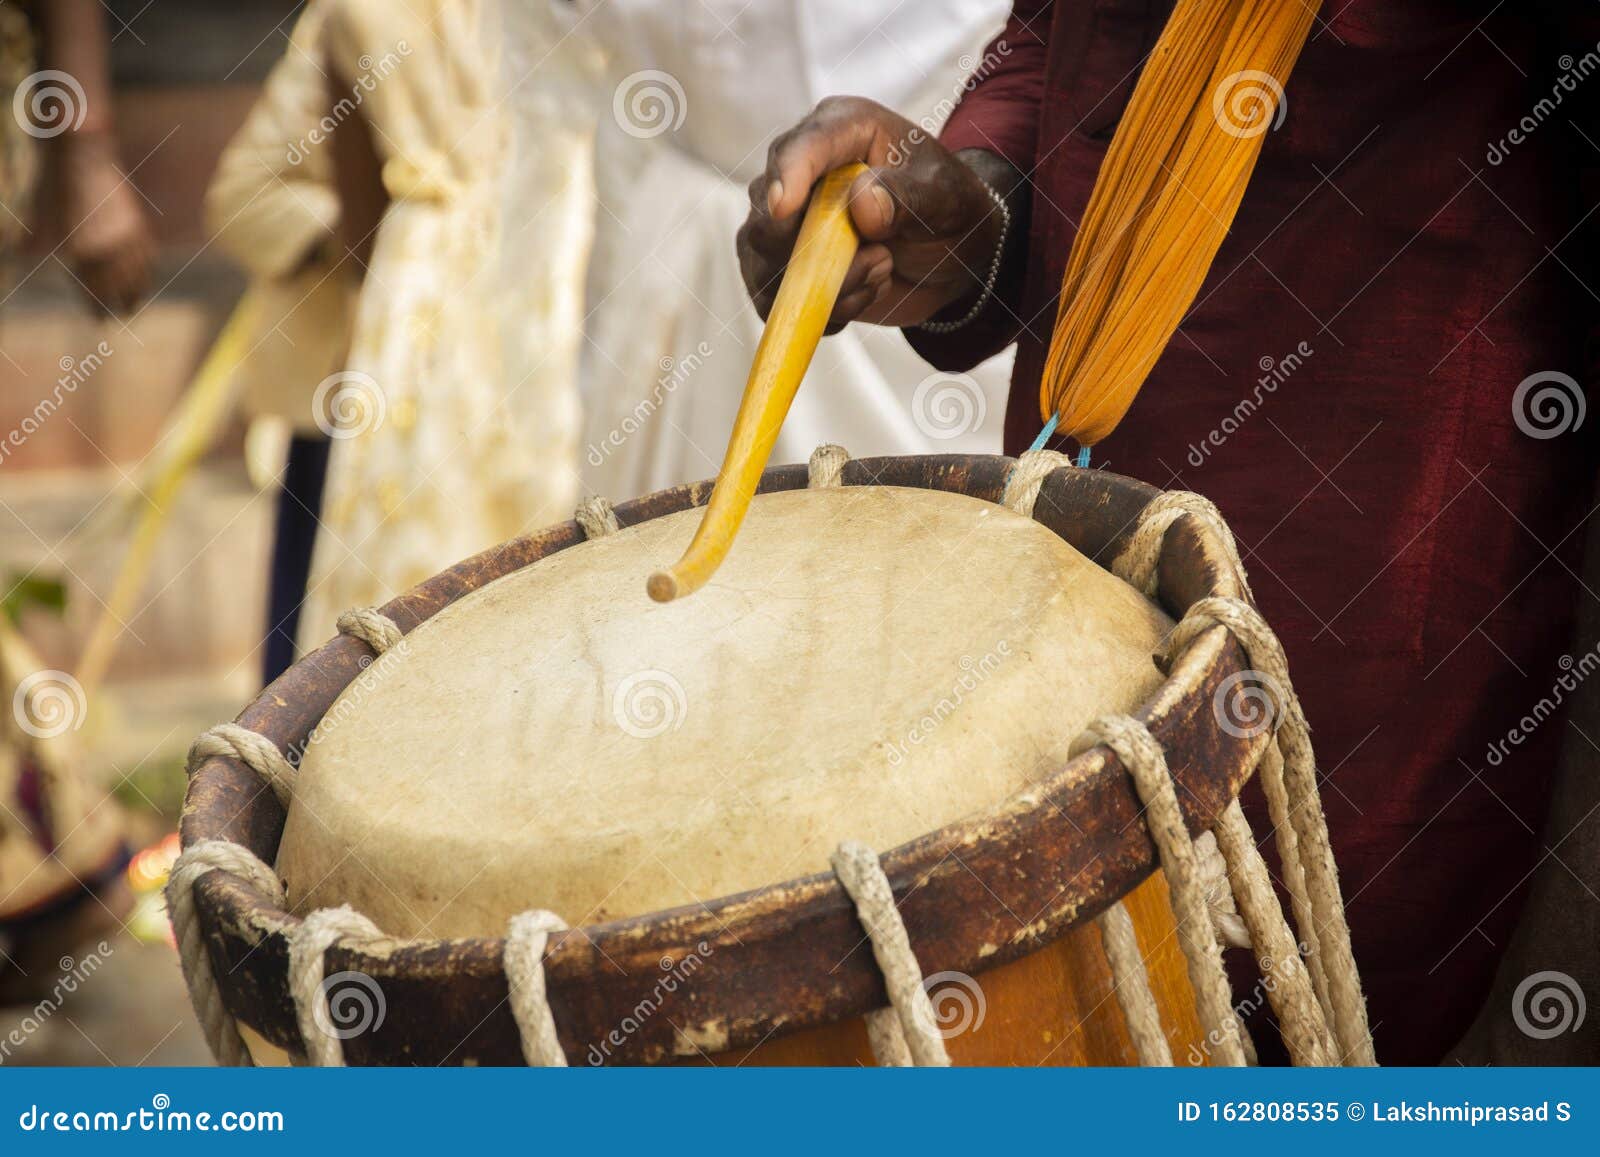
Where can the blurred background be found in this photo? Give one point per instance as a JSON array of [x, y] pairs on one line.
[[301, 303], [186, 73]]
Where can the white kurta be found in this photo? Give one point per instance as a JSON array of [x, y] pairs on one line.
[[697, 90]]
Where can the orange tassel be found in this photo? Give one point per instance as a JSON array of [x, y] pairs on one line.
[[1166, 194]]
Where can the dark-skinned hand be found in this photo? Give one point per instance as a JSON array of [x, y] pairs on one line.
[[928, 226]]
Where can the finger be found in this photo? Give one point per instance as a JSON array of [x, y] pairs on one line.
[[880, 261], [854, 301], [871, 262], [761, 273], [874, 207], [837, 133], [850, 306], [773, 240], [760, 280], [890, 201], [762, 296], [917, 201]]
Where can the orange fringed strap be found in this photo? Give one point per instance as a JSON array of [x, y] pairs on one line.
[[1165, 197]]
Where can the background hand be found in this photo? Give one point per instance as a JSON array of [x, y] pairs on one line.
[[109, 245]]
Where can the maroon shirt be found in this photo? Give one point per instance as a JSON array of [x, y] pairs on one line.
[[1415, 549]]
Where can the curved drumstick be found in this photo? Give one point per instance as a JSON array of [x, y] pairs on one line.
[[810, 286]]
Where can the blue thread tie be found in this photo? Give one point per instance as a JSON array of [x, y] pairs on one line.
[[1044, 435]]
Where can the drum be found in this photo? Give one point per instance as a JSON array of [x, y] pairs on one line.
[[894, 668]]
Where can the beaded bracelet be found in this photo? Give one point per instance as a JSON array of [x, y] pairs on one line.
[[989, 280]]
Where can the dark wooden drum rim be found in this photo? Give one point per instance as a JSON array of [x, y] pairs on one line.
[[974, 895]]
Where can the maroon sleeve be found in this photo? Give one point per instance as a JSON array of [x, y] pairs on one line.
[[998, 113], [999, 110]]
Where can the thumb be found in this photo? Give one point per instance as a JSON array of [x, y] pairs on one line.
[[879, 204]]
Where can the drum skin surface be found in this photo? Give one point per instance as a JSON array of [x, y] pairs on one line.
[[871, 663]]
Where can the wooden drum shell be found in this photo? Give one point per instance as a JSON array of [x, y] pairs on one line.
[[784, 971]]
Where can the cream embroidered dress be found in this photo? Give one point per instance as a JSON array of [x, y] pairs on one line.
[[455, 417], [271, 206]]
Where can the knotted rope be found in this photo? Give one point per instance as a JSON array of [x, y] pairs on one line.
[[1269, 773], [596, 517], [1305, 1022], [308, 946], [250, 748], [221, 1032], [1147, 764], [1138, 563], [1301, 1018], [374, 628], [826, 468], [907, 1032], [1231, 929], [1296, 810], [527, 937], [1131, 982], [1027, 477]]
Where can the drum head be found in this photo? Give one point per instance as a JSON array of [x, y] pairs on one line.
[[870, 663]]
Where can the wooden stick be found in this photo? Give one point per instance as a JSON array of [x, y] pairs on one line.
[[204, 409], [810, 286]]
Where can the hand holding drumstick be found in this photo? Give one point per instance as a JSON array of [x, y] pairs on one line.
[[799, 313], [898, 229]]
